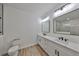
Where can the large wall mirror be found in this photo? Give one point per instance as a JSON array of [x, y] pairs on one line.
[[45, 27], [67, 23]]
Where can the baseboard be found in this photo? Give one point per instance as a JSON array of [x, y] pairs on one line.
[[28, 45]]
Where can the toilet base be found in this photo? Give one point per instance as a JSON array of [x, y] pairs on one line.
[[13, 53]]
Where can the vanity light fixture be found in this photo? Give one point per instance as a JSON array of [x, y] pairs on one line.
[[44, 20], [64, 9], [57, 13]]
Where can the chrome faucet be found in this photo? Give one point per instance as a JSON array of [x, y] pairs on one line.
[[63, 39], [60, 38]]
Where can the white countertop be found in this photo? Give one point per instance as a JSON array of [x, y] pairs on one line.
[[70, 45]]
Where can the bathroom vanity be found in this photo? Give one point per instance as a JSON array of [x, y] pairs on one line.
[[66, 24], [56, 48]]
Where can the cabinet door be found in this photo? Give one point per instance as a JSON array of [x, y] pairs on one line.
[[51, 48], [41, 42], [64, 51]]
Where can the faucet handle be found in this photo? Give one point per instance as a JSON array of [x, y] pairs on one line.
[[66, 40], [0, 17]]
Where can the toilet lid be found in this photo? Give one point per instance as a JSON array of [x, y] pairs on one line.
[[13, 49]]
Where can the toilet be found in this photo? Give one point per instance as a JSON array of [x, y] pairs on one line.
[[14, 49]]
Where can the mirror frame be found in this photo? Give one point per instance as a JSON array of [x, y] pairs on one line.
[[2, 19]]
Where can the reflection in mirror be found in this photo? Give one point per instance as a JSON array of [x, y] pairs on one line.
[[67, 23], [45, 27]]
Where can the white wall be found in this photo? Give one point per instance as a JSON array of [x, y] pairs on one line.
[[18, 24]]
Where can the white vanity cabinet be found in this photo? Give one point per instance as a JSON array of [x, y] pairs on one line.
[[47, 46], [55, 49], [41, 42]]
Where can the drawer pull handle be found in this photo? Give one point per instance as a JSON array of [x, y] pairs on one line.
[[58, 53]]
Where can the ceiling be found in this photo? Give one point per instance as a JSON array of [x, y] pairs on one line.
[[37, 9]]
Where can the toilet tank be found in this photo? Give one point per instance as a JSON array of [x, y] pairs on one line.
[[15, 42]]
